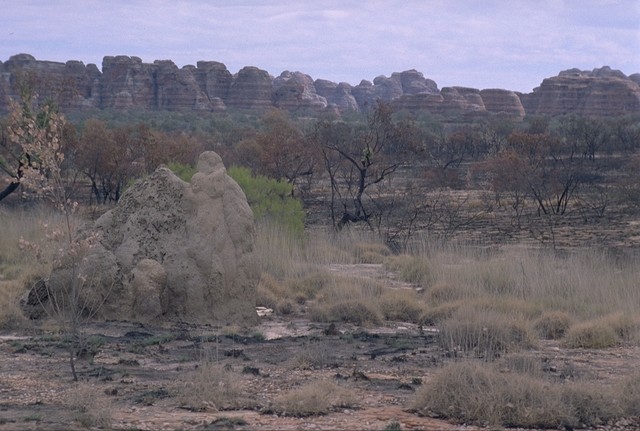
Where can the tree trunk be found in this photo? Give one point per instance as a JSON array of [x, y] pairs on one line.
[[9, 189]]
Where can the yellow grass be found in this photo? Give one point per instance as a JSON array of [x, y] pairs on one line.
[[529, 285]]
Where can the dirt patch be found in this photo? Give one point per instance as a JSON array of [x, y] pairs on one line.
[[137, 372]]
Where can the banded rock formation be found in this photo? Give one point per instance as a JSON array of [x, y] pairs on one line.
[[599, 92], [128, 83]]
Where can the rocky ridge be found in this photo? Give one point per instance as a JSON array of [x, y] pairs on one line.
[[128, 83]]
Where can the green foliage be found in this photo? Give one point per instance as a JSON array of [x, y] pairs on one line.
[[184, 172], [270, 200]]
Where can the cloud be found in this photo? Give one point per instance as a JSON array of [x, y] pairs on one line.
[[493, 43]]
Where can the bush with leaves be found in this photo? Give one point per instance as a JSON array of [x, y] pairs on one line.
[[38, 132], [271, 200], [183, 171]]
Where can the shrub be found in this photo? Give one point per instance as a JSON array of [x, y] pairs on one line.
[[480, 394], [591, 335], [401, 305], [285, 307], [313, 398], [317, 355], [393, 426], [412, 269], [590, 404], [630, 390], [308, 286], [485, 333], [356, 312], [211, 387], [523, 363], [509, 306], [370, 252], [183, 171], [626, 327], [271, 200], [553, 325], [11, 316], [266, 297], [435, 315], [88, 407], [444, 292]]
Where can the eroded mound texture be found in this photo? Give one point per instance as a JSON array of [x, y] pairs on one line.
[[171, 250]]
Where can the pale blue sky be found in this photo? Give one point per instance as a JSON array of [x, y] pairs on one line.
[[512, 44]]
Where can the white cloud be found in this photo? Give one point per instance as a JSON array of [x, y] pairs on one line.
[[495, 43]]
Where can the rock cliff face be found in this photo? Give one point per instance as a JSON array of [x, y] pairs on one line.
[[179, 88], [251, 89], [294, 90], [128, 83], [599, 92], [502, 102], [338, 95], [72, 84]]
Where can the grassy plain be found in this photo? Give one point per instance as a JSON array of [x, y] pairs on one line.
[[466, 333]]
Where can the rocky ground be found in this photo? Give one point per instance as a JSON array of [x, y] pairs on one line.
[[137, 377]]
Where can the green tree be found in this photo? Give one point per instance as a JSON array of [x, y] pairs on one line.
[[38, 132], [270, 199], [21, 150]]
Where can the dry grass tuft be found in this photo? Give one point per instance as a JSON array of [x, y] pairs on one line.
[[630, 390], [522, 363], [480, 394], [268, 292], [315, 355], [353, 311], [520, 283], [434, 316], [402, 305], [88, 407], [485, 333], [314, 398], [11, 316], [412, 269], [441, 293], [370, 252], [553, 325], [349, 299], [307, 287], [607, 331], [591, 335], [625, 325], [211, 387]]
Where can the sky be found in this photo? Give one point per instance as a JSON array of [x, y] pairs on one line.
[[510, 44]]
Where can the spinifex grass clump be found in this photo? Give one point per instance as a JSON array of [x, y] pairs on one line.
[[89, 407], [314, 398], [607, 331], [484, 333], [402, 305], [515, 294], [553, 325], [211, 387], [479, 393], [412, 269]]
